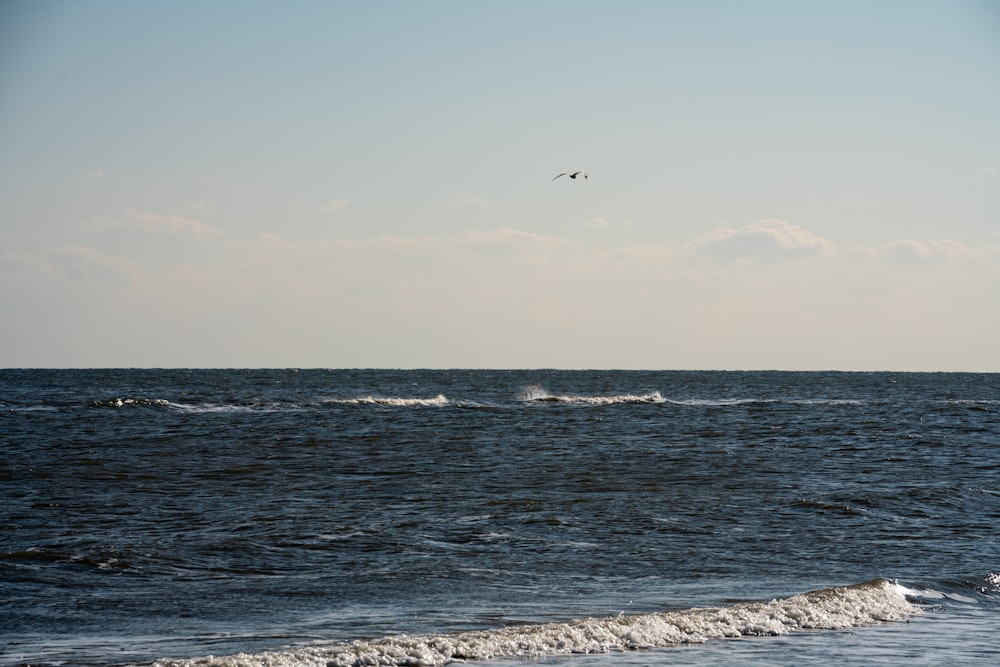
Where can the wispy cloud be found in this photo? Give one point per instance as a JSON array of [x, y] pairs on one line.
[[504, 236], [71, 262], [22, 264], [603, 223], [89, 263], [465, 200], [156, 224], [767, 240], [560, 299], [934, 251], [503, 242], [335, 205]]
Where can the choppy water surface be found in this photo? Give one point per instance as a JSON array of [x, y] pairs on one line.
[[565, 518]]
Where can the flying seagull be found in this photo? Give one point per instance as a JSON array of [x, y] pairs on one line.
[[573, 174]]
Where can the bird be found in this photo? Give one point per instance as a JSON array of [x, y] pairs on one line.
[[573, 174]]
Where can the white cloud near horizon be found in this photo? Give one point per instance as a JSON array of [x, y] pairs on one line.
[[71, 263], [156, 224], [943, 250], [603, 223], [466, 200], [335, 205], [86, 262], [514, 298], [766, 240]]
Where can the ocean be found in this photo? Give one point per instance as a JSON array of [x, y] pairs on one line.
[[502, 518]]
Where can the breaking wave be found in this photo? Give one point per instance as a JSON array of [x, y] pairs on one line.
[[397, 402], [868, 603], [271, 406], [189, 407], [536, 394], [122, 402], [738, 402]]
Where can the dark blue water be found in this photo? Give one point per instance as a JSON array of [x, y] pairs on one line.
[[172, 514]]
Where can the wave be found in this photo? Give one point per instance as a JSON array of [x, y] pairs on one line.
[[531, 394], [28, 408], [122, 402], [988, 585], [731, 402], [188, 407], [536, 394], [396, 402], [272, 406], [965, 590], [867, 603]]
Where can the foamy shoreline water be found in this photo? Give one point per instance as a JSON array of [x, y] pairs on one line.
[[871, 602]]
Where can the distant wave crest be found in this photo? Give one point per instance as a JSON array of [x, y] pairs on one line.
[[536, 394], [396, 402], [531, 394], [832, 609], [739, 402], [122, 402], [187, 407], [271, 406]]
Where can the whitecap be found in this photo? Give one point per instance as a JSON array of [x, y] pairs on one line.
[[396, 402], [122, 402], [536, 394], [833, 608]]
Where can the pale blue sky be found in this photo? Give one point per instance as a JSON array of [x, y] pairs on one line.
[[788, 185]]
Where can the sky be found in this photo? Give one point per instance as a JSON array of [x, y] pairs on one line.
[[772, 184]]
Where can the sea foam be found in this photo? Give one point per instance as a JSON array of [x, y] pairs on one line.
[[391, 401], [537, 394], [868, 603]]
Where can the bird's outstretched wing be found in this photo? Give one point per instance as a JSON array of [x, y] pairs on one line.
[[572, 174]]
